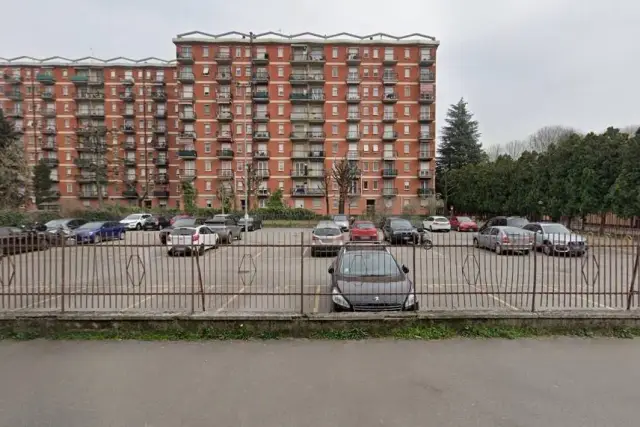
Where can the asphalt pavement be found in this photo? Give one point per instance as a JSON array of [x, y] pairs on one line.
[[273, 270], [525, 383]]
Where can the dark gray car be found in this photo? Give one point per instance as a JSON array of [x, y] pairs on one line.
[[254, 223], [556, 239], [226, 227], [366, 277]]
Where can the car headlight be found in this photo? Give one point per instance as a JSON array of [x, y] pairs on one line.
[[411, 299], [338, 299]]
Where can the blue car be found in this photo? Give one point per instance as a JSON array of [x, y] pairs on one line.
[[96, 232]]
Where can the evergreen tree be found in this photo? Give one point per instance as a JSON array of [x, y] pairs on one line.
[[276, 200], [42, 182], [14, 172]]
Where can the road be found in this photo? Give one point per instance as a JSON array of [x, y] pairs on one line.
[[525, 383], [272, 270]]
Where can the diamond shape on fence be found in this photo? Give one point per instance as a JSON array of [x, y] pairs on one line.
[[12, 269], [247, 269], [471, 265], [585, 278], [135, 264]]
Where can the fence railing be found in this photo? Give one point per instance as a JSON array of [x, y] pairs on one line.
[[279, 270]]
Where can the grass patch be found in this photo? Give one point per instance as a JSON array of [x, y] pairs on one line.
[[361, 332]]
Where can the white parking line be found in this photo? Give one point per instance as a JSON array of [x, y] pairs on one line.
[[496, 299], [240, 292]]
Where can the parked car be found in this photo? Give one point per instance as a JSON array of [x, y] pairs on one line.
[[14, 240], [177, 217], [342, 221], [233, 216], [191, 240], [556, 239], [59, 230], [399, 230], [96, 232], [504, 239], [135, 221], [326, 238], [363, 230], [255, 223], [182, 222], [155, 222], [463, 223], [366, 277], [505, 221], [226, 227], [436, 223]]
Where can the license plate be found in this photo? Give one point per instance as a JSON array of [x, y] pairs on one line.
[[406, 237]]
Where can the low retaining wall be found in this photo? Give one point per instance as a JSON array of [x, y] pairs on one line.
[[304, 326]]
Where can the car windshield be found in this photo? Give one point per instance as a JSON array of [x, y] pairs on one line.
[[517, 222], [183, 232], [401, 223], [364, 226], [56, 223], [464, 219], [329, 231], [340, 218], [555, 229], [134, 216], [185, 222], [91, 225], [369, 264]]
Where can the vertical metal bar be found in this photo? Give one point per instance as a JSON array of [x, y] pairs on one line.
[[193, 279], [535, 281], [413, 267], [302, 272], [62, 281], [632, 286]]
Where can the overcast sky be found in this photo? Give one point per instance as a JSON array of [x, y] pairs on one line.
[[521, 64]]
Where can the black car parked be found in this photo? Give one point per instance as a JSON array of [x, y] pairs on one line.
[[182, 222], [399, 230], [156, 222], [58, 230]]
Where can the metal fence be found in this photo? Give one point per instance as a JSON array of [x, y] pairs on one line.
[[273, 270]]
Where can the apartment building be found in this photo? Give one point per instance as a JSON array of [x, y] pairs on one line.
[[278, 109]]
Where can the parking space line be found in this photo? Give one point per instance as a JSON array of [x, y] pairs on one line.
[[500, 300], [232, 299]]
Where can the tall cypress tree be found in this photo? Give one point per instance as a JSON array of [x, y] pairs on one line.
[[42, 182], [14, 173]]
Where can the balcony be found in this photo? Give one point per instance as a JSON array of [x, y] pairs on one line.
[[304, 58], [307, 173], [298, 78], [188, 116], [14, 79], [260, 58], [389, 136], [159, 96], [160, 130], [86, 178], [389, 192], [260, 116], [425, 155], [49, 130], [46, 78], [426, 116], [426, 60], [223, 58], [389, 78], [14, 95], [389, 60], [225, 154], [128, 113], [317, 154], [425, 137], [263, 192], [190, 154], [353, 116], [49, 112], [307, 192], [429, 77], [389, 117], [161, 194], [260, 96], [353, 59], [92, 147], [425, 174], [223, 136], [299, 136], [224, 98], [389, 155], [260, 78], [224, 77], [186, 77], [186, 98], [84, 95], [48, 95], [353, 155], [91, 194], [426, 192], [306, 97], [83, 79], [184, 57], [161, 161], [127, 96], [389, 98], [130, 161], [262, 173], [130, 146], [187, 174], [49, 145], [353, 136], [353, 78], [128, 129], [299, 154], [15, 113], [261, 135], [389, 173], [352, 98], [225, 174], [316, 117], [160, 145], [130, 193], [299, 116], [83, 114], [51, 162], [91, 130], [261, 155], [90, 163], [224, 116], [160, 113], [159, 81], [161, 179]]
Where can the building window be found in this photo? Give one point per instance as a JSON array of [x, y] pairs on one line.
[[376, 53], [239, 110], [207, 147], [207, 90], [407, 91], [280, 166], [280, 71], [280, 52], [281, 148], [406, 186], [375, 185], [207, 129], [207, 109], [407, 72], [334, 91], [280, 110], [238, 72], [238, 52], [365, 185], [65, 73], [317, 203], [280, 90], [334, 71], [205, 51], [407, 110], [406, 148], [280, 128], [334, 110], [335, 52], [365, 129], [205, 71], [406, 167], [366, 73], [407, 53], [334, 129], [365, 110], [407, 129]]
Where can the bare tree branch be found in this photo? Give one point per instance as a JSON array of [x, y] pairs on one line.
[[345, 174]]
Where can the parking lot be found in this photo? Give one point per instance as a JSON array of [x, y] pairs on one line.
[[272, 270]]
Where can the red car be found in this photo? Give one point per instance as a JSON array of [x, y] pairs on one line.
[[363, 230], [463, 223]]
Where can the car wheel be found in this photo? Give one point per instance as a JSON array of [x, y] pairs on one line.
[[160, 227], [313, 253], [525, 252], [170, 252], [97, 239], [239, 236], [416, 306], [201, 250], [498, 250], [227, 239], [122, 236], [215, 245], [138, 227], [476, 243], [547, 249], [44, 245], [431, 229]]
